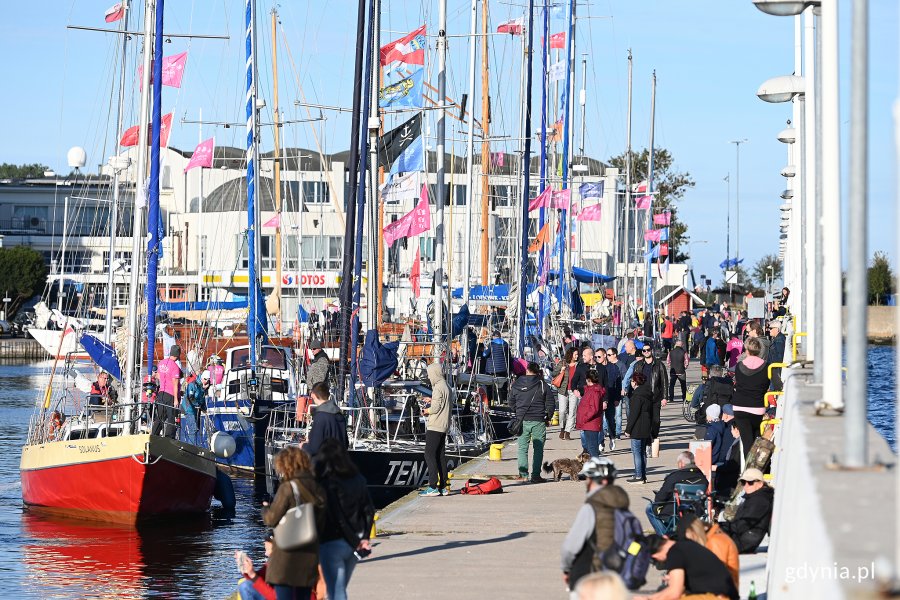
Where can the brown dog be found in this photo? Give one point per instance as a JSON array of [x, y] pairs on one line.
[[568, 466]]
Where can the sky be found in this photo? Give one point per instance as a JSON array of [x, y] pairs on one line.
[[710, 56]]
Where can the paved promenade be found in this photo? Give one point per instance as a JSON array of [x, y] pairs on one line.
[[507, 545]]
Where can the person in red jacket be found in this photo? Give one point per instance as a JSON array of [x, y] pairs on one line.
[[588, 417], [668, 334], [254, 586]]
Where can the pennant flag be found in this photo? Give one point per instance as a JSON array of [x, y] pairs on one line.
[[664, 218], [562, 199], [130, 137], [172, 70], [402, 189], [664, 266], [557, 71], [591, 190], [115, 12], [554, 134], [406, 92], [640, 188], [411, 159], [590, 213], [513, 27], [274, 221], [416, 221], [664, 236], [653, 235], [415, 274], [653, 253], [497, 159], [394, 142], [664, 249], [542, 200], [409, 49], [542, 238], [558, 40], [643, 202], [202, 156]]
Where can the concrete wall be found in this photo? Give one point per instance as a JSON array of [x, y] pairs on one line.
[[881, 324]]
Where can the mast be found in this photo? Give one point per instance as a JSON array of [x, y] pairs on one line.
[[542, 214], [153, 217], [350, 201], [649, 298], [485, 145], [470, 159], [373, 310], [626, 248], [565, 258], [114, 209], [255, 296], [277, 174], [132, 364], [439, 213], [526, 172], [582, 100]]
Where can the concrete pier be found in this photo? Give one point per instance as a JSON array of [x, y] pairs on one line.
[[507, 545]]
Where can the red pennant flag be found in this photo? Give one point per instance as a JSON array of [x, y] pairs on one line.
[[542, 200], [409, 49], [130, 137], [664, 249], [273, 222], [513, 27], [115, 12], [415, 273], [558, 40]]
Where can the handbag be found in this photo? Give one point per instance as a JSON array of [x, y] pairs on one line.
[[297, 528], [557, 381]]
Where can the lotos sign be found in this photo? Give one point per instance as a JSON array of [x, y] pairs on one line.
[[320, 279]]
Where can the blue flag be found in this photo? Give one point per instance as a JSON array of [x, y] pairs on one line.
[[406, 92], [411, 159], [654, 253], [591, 190]]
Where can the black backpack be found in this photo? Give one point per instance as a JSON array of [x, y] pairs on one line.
[[627, 555], [714, 392]]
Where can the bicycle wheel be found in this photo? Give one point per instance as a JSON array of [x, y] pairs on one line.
[[686, 410]]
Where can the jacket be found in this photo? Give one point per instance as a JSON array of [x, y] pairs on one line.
[[579, 379], [678, 360], [776, 349], [668, 331], [718, 542], [613, 382], [588, 415], [640, 413], [298, 568], [664, 500], [532, 399], [593, 529], [566, 369], [498, 360], [439, 410], [750, 385], [318, 369], [328, 422], [719, 433], [349, 513], [711, 353], [751, 522], [658, 378]]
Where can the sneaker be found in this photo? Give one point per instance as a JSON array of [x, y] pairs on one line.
[[445, 492], [612, 444], [538, 479], [522, 478], [636, 480], [430, 491]]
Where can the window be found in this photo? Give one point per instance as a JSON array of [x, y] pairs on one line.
[[500, 194], [123, 259], [426, 247], [78, 261], [459, 195], [315, 192], [323, 252], [32, 218], [266, 250]]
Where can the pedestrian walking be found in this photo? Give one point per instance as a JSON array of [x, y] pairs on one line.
[[640, 425], [751, 382], [568, 399], [678, 361], [531, 400], [590, 414]]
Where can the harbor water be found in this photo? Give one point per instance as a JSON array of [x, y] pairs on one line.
[[51, 558]]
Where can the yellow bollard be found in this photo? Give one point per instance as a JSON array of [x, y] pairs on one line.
[[496, 452], [374, 521], [555, 420]]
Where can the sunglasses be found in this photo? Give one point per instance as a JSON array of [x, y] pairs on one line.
[[610, 353], [742, 482], [646, 351]]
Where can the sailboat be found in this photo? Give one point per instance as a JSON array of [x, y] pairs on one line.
[[108, 462]]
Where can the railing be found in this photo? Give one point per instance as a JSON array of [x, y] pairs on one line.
[[100, 420], [38, 226]]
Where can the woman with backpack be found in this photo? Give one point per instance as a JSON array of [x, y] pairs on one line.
[[348, 517]]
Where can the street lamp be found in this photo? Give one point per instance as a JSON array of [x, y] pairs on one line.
[[784, 8], [787, 136], [737, 196], [781, 89]]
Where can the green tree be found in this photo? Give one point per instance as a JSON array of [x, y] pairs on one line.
[[10, 171], [761, 271], [671, 185], [881, 278], [22, 274]]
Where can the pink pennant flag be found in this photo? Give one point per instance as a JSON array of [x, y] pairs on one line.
[[562, 199], [643, 202], [115, 12], [498, 159], [541, 201], [590, 213], [641, 188], [202, 156], [653, 235], [664, 218], [396, 230], [421, 215], [172, 70], [274, 221]]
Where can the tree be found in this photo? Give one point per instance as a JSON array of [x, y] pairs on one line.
[[10, 171], [671, 185], [881, 278], [23, 274], [761, 272]]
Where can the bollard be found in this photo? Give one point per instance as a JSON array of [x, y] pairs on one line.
[[496, 452], [374, 521], [555, 420]]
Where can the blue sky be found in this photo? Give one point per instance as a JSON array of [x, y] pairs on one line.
[[710, 56]]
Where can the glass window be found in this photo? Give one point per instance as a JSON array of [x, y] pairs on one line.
[[426, 247], [459, 195], [315, 192], [501, 195], [266, 248]]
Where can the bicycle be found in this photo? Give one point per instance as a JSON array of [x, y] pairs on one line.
[[686, 411]]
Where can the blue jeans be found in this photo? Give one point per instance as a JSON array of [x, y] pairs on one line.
[[639, 452], [287, 592], [338, 561], [247, 591], [657, 523], [609, 421], [590, 441]]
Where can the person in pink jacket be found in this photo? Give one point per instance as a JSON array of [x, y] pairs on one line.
[[733, 349]]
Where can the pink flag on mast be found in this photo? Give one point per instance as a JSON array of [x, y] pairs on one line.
[[172, 70], [274, 221], [664, 218], [562, 199], [421, 215], [653, 235], [643, 202], [590, 213], [542, 200], [203, 155]]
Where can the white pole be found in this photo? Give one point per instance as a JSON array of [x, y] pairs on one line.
[[795, 229], [811, 194], [831, 342], [201, 262]]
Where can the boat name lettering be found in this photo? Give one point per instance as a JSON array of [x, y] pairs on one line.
[[406, 473], [89, 449]]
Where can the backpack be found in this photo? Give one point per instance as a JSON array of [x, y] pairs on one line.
[[475, 487], [627, 555], [714, 392]]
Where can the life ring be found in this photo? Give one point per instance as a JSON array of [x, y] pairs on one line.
[[55, 424]]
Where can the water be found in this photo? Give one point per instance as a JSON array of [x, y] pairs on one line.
[[44, 558]]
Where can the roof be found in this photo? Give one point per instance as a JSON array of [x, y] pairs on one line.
[[665, 293]]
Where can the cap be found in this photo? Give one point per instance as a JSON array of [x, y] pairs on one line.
[[728, 409], [315, 344], [205, 375], [712, 412], [752, 474]]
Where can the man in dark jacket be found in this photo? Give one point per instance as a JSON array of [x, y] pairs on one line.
[[532, 400], [614, 376], [594, 526], [587, 363], [663, 506], [684, 328], [328, 421], [678, 362], [655, 372], [751, 522], [319, 367]]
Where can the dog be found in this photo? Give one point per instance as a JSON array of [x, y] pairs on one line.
[[570, 466]]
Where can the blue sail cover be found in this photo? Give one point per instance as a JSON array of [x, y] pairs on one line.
[[485, 293], [378, 361], [261, 327], [102, 354], [302, 315], [585, 276], [170, 306]]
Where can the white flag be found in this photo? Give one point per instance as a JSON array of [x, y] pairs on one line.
[[402, 190], [557, 71]]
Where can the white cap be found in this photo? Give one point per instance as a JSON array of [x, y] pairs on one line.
[[713, 411]]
